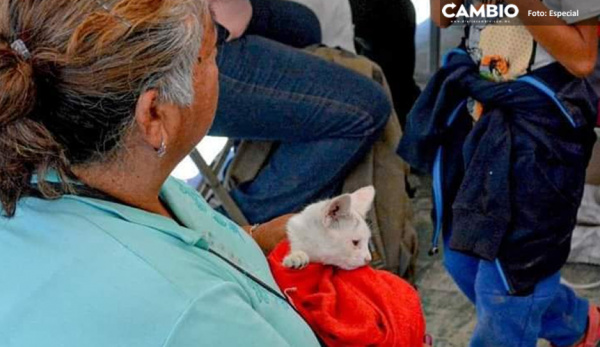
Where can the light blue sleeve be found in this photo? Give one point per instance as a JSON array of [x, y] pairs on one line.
[[223, 317]]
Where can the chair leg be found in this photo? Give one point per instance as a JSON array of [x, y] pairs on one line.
[[216, 166], [222, 194]]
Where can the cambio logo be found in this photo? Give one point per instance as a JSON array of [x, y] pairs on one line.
[[487, 11]]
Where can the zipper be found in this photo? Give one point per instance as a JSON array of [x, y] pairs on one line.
[[507, 285], [437, 201]]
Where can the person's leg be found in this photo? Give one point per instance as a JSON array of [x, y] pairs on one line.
[[553, 312], [463, 270], [565, 321], [286, 22], [325, 116], [550, 312], [509, 320]]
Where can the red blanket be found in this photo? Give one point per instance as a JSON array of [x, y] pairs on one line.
[[363, 307]]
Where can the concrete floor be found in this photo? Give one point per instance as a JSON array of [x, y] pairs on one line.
[[449, 315]]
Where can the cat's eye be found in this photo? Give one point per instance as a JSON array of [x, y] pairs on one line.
[[355, 242]]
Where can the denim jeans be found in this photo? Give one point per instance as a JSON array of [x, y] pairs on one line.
[[323, 117], [286, 22], [553, 312]]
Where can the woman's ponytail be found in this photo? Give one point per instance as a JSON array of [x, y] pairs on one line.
[[25, 145]]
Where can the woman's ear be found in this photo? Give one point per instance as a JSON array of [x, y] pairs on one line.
[[150, 120]]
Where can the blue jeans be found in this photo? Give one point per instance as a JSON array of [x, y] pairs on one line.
[[323, 117], [553, 312], [286, 22]]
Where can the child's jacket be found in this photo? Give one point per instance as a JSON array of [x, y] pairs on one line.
[[507, 188], [362, 307]]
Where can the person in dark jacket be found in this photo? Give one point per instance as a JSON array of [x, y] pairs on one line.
[[386, 32], [508, 139]]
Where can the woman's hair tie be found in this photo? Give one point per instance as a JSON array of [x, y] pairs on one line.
[[19, 47]]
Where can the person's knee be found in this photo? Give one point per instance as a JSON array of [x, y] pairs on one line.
[[380, 109], [374, 109], [365, 109]]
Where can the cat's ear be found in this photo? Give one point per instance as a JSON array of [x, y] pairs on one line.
[[362, 200], [336, 209]]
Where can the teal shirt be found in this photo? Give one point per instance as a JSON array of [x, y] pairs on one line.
[[84, 272]]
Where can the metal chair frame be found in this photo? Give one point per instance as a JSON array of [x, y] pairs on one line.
[[210, 181]]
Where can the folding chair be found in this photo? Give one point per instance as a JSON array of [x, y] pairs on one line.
[[210, 181]]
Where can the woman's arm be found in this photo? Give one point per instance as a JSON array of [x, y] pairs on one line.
[[269, 234], [436, 11], [574, 46]]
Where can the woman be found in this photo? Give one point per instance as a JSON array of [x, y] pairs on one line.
[[324, 116], [98, 103]]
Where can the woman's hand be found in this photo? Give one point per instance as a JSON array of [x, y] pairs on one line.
[[233, 15], [269, 234]]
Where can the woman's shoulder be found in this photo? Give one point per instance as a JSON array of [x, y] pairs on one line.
[[68, 262], [73, 260], [43, 232]]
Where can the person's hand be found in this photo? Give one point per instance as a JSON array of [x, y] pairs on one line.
[[269, 234], [233, 15]]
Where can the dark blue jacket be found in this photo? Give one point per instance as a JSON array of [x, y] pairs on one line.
[[507, 188]]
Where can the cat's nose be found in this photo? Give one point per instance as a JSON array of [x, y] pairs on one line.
[[368, 259]]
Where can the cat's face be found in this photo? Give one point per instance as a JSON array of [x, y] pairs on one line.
[[334, 232], [349, 241]]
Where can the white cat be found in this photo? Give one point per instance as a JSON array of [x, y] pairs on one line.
[[332, 232]]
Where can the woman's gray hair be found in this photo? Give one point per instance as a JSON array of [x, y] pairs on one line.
[[72, 101], [177, 84]]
